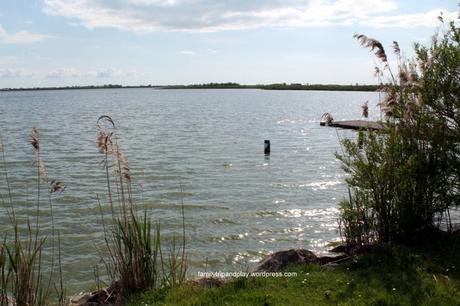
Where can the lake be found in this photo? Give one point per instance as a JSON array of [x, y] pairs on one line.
[[239, 203]]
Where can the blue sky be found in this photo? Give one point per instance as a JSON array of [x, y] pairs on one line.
[[129, 42]]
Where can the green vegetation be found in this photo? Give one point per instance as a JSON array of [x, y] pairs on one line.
[[229, 85], [107, 86], [404, 176], [425, 275], [279, 86], [325, 87]]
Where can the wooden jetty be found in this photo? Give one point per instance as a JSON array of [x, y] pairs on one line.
[[354, 124]]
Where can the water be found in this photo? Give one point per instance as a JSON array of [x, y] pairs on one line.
[[239, 204]]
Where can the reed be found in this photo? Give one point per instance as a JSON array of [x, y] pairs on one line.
[[22, 280], [133, 242]]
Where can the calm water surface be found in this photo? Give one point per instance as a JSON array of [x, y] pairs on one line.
[[239, 204]]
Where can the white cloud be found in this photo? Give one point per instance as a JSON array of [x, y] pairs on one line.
[[142, 16], [428, 19], [14, 73], [188, 52], [99, 73], [21, 37], [113, 73], [64, 73], [8, 59]]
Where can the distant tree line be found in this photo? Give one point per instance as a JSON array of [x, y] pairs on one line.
[[280, 86], [227, 85], [208, 85], [332, 87], [107, 86]]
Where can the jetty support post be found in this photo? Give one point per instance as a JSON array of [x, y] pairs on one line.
[[267, 147]]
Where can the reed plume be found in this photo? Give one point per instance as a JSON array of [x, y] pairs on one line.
[[35, 142], [374, 45], [56, 186], [378, 72], [327, 117], [377, 47], [123, 169], [409, 110], [396, 48], [104, 141], [403, 75], [107, 144], [389, 103], [365, 109]]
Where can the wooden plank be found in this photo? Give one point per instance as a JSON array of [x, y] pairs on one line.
[[355, 124]]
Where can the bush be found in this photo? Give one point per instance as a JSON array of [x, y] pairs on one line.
[[403, 176]]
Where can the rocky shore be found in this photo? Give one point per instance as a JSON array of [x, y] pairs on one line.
[[274, 262]]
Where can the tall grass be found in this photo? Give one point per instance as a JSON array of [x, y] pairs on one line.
[[137, 261], [134, 244], [22, 279]]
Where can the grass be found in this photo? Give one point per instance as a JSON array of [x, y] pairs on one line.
[[426, 274]]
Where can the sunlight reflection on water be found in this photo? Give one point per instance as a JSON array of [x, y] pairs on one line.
[[239, 203]]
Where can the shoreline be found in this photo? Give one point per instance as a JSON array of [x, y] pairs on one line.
[[282, 86], [371, 274]]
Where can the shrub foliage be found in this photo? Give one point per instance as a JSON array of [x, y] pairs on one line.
[[404, 178]]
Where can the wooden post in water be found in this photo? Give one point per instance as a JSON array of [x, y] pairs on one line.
[[267, 147]]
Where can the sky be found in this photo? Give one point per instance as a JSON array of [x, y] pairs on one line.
[[134, 42]]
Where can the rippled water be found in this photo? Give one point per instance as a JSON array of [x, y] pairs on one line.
[[239, 204]]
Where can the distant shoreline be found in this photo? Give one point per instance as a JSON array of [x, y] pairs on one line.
[[278, 86]]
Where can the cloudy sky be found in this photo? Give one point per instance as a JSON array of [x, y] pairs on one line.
[[83, 42]]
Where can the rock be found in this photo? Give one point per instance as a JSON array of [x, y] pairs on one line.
[[105, 297], [333, 260], [7, 300], [353, 249], [79, 299], [281, 259], [341, 248], [209, 282]]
